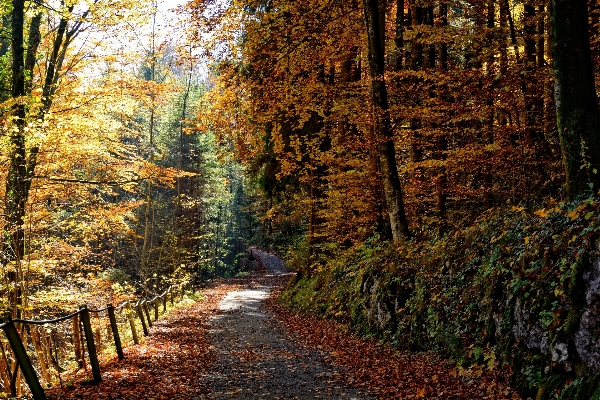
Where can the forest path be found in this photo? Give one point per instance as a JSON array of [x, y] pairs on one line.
[[238, 341], [255, 360]]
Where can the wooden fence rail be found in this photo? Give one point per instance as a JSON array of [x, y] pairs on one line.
[[23, 360]]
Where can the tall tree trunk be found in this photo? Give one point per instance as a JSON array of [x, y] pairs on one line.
[[487, 174], [383, 128], [431, 51], [399, 38], [23, 161], [148, 220], [541, 31], [416, 52], [442, 139], [503, 19], [418, 16], [444, 45], [530, 84], [16, 187], [577, 112], [529, 31], [315, 130], [184, 107]]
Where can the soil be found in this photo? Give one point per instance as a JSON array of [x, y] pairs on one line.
[[255, 360]]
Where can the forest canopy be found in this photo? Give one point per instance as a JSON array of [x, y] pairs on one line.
[[109, 187], [141, 147], [432, 111]]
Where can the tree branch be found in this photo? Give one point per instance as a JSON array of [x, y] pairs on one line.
[[87, 182]]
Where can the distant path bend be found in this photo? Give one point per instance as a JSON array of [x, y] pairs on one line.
[[273, 263]]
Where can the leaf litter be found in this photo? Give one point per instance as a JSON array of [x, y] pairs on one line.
[[182, 359]]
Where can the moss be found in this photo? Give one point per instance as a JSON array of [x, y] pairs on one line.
[[551, 386], [457, 293], [577, 297], [586, 388]]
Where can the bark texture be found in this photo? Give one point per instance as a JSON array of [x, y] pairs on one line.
[[383, 128], [17, 183], [577, 112]]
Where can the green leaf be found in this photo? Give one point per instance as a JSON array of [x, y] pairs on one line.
[[589, 215]]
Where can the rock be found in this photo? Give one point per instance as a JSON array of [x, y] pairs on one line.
[[587, 337], [560, 353], [526, 329]]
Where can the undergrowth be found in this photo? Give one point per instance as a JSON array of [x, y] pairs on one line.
[[506, 292]]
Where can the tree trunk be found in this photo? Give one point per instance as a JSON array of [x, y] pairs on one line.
[[383, 128], [416, 52], [577, 112], [399, 38], [503, 19], [17, 184], [23, 161], [442, 140], [148, 221], [444, 45], [541, 31]]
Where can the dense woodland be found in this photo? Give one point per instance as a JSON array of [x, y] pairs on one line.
[[469, 104], [397, 152], [106, 178], [431, 168]]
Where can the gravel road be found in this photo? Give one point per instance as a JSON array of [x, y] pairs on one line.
[[254, 360], [272, 263]]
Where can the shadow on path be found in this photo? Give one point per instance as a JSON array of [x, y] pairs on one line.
[[254, 360]]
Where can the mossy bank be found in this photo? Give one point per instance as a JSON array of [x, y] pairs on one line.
[[518, 289]]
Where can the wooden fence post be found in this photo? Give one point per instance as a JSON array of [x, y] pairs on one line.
[[115, 331], [77, 341], [145, 307], [35, 339], [89, 339], [134, 334], [164, 301], [22, 358], [171, 293], [141, 315]]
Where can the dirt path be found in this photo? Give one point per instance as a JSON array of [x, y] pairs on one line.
[[230, 345], [272, 263], [254, 360]]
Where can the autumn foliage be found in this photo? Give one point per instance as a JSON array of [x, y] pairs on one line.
[[470, 101], [470, 109], [326, 127]]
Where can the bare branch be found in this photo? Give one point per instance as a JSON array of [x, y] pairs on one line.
[[87, 182]]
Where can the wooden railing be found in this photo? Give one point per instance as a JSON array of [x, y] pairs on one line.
[[42, 344]]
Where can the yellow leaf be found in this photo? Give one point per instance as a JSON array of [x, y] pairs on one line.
[[574, 238], [421, 393], [527, 240], [573, 214]]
